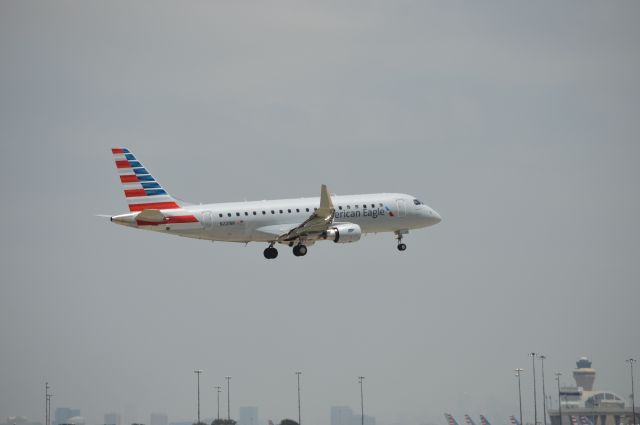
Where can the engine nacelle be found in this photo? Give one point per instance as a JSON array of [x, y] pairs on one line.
[[343, 233]]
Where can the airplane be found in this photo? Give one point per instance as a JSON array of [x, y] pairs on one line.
[[468, 420], [298, 223], [450, 419], [484, 421], [513, 420]]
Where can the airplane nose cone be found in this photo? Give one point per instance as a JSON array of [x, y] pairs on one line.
[[435, 217]]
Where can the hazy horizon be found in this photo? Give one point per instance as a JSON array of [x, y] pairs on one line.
[[517, 122]]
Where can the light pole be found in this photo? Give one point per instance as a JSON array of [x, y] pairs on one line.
[[228, 378], [218, 390], [559, 400], [46, 403], [361, 380], [49, 413], [299, 411], [633, 395], [518, 373], [544, 394], [535, 398], [198, 372]]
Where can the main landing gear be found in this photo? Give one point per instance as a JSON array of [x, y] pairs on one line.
[[270, 253], [401, 246], [300, 250]]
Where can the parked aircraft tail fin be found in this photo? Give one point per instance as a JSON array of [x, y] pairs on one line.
[[468, 420], [450, 419]]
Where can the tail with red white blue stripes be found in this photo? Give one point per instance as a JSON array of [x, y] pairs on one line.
[[450, 419], [585, 421], [141, 190]]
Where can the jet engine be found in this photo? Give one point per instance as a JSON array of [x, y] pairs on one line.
[[343, 233]]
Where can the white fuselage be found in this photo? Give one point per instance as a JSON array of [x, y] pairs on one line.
[[246, 221]]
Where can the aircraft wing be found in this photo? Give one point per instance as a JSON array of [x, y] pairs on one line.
[[277, 230], [319, 221]]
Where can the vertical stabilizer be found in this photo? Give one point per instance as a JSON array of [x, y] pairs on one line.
[[141, 190], [468, 420], [450, 419]]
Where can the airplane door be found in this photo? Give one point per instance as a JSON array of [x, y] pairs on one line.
[[207, 219], [402, 207]]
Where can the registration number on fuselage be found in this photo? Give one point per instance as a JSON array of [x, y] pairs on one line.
[[228, 223]]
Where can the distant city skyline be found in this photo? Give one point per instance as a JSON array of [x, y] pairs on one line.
[[339, 415], [343, 415]]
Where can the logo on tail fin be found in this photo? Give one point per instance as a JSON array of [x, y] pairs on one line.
[[141, 190]]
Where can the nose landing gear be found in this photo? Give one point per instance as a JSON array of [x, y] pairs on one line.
[[399, 233]]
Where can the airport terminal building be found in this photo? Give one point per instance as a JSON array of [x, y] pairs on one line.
[[600, 407]]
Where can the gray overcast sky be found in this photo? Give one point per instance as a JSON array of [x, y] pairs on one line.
[[517, 121]]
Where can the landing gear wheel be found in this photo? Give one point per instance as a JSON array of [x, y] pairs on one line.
[[399, 233], [299, 250], [270, 253]]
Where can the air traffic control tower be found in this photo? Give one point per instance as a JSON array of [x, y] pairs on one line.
[[584, 374], [600, 407]]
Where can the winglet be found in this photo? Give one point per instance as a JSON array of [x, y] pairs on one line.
[[325, 199]]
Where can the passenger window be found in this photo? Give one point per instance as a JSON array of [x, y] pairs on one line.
[[297, 209], [237, 214], [381, 204], [307, 209], [273, 212], [229, 214], [246, 213], [280, 211], [264, 212], [289, 210], [315, 209], [220, 215], [373, 205], [348, 207], [254, 213], [339, 207], [357, 206]]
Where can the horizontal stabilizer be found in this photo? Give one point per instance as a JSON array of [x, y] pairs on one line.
[[151, 216]]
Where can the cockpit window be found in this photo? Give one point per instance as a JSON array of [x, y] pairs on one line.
[[417, 202]]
